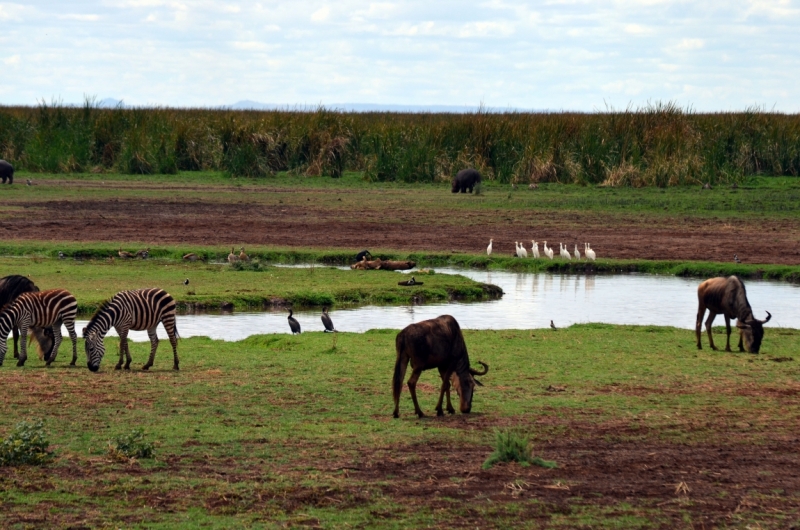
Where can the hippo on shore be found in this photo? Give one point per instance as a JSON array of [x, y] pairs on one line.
[[6, 172], [466, 179]]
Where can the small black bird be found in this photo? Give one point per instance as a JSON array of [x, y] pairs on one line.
[[412, 281], [294, 324], [363, 254], [30, 183], [326, 321], [736, 258], [552, 326], [186, 281], [60, 255]]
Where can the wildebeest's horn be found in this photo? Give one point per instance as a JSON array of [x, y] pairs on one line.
[[766, 319], [485, 369]]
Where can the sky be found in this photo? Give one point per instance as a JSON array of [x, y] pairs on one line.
[[555, 55]]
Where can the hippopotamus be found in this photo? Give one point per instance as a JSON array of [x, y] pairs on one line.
[[466, 180], [6, 172]]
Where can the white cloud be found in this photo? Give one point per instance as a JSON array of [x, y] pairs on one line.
[[557, 54], [82, 18], [12, 61], [321, 14]]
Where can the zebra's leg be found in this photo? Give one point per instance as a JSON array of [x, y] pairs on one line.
[[123, 349], [23, 354], [153, 346], [169, 325], [56, 342], [70, 324]]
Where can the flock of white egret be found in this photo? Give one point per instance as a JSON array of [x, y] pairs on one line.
[[522, 252]]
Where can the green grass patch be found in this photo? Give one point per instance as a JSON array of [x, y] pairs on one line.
[[279, 430], [214, 284]]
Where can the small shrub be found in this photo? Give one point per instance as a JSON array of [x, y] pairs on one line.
[[510, 446], [130, 445], [26, 445]]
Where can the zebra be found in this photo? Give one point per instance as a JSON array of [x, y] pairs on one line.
[[42, 310], [131, 310], [10, 288]]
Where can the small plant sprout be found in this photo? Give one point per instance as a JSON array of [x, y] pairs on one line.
[[130, 447], [511, 446]]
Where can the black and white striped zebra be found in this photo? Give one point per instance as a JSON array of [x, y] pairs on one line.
[[41, 310], [131, 310], [10, 288]]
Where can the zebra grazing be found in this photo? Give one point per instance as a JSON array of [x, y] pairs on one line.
[[131, 310], [10, 288], [40, 310]]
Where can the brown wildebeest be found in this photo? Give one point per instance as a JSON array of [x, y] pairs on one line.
[[436, 343], [10, 288], [727, 296]]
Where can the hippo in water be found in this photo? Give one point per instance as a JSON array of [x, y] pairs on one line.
[[466, 179], [6, 172]]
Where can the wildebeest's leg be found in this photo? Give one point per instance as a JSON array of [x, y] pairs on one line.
[[123, 349], [70, 324], [153, 347], [445, 378], [728, 330], [16, 330], [412, 387], [741, 346], [709, 322], [701, 311], [397, 382], [56, 342]]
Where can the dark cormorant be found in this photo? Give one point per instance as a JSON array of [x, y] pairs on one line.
[[294, 324], [326, 321]]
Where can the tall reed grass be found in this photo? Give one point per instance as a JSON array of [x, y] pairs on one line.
[[658, 145]]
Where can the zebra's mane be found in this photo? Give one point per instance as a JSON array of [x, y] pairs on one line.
[[103, 306]]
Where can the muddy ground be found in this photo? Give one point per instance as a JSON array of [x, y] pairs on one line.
[[299, 221], [661, 484]]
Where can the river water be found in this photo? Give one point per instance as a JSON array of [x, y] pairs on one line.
[[530, 301]]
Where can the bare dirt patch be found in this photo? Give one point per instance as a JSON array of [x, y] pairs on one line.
[[712, 483], [216, 222]]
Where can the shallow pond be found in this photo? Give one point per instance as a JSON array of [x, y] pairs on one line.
[[530, 301]]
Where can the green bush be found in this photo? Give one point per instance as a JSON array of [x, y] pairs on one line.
[[510, 446], [26, 445], [131, 445]]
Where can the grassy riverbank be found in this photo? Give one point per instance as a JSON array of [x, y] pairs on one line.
[[43, 252], [253, 285], [287, 430]]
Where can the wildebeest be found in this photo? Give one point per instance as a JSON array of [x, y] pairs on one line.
[[436, 343], [466, 179], [6, 172], [10, 288], [727, 296]]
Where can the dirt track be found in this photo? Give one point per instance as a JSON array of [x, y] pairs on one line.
[[225, 221]]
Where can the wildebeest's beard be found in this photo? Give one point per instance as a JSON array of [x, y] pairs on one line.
[[465, 390], [753, 332]]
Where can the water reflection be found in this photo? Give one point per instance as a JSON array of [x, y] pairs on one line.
[[530, 301]]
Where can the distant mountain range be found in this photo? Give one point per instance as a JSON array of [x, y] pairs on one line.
[[246, 104], [371, 107]]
